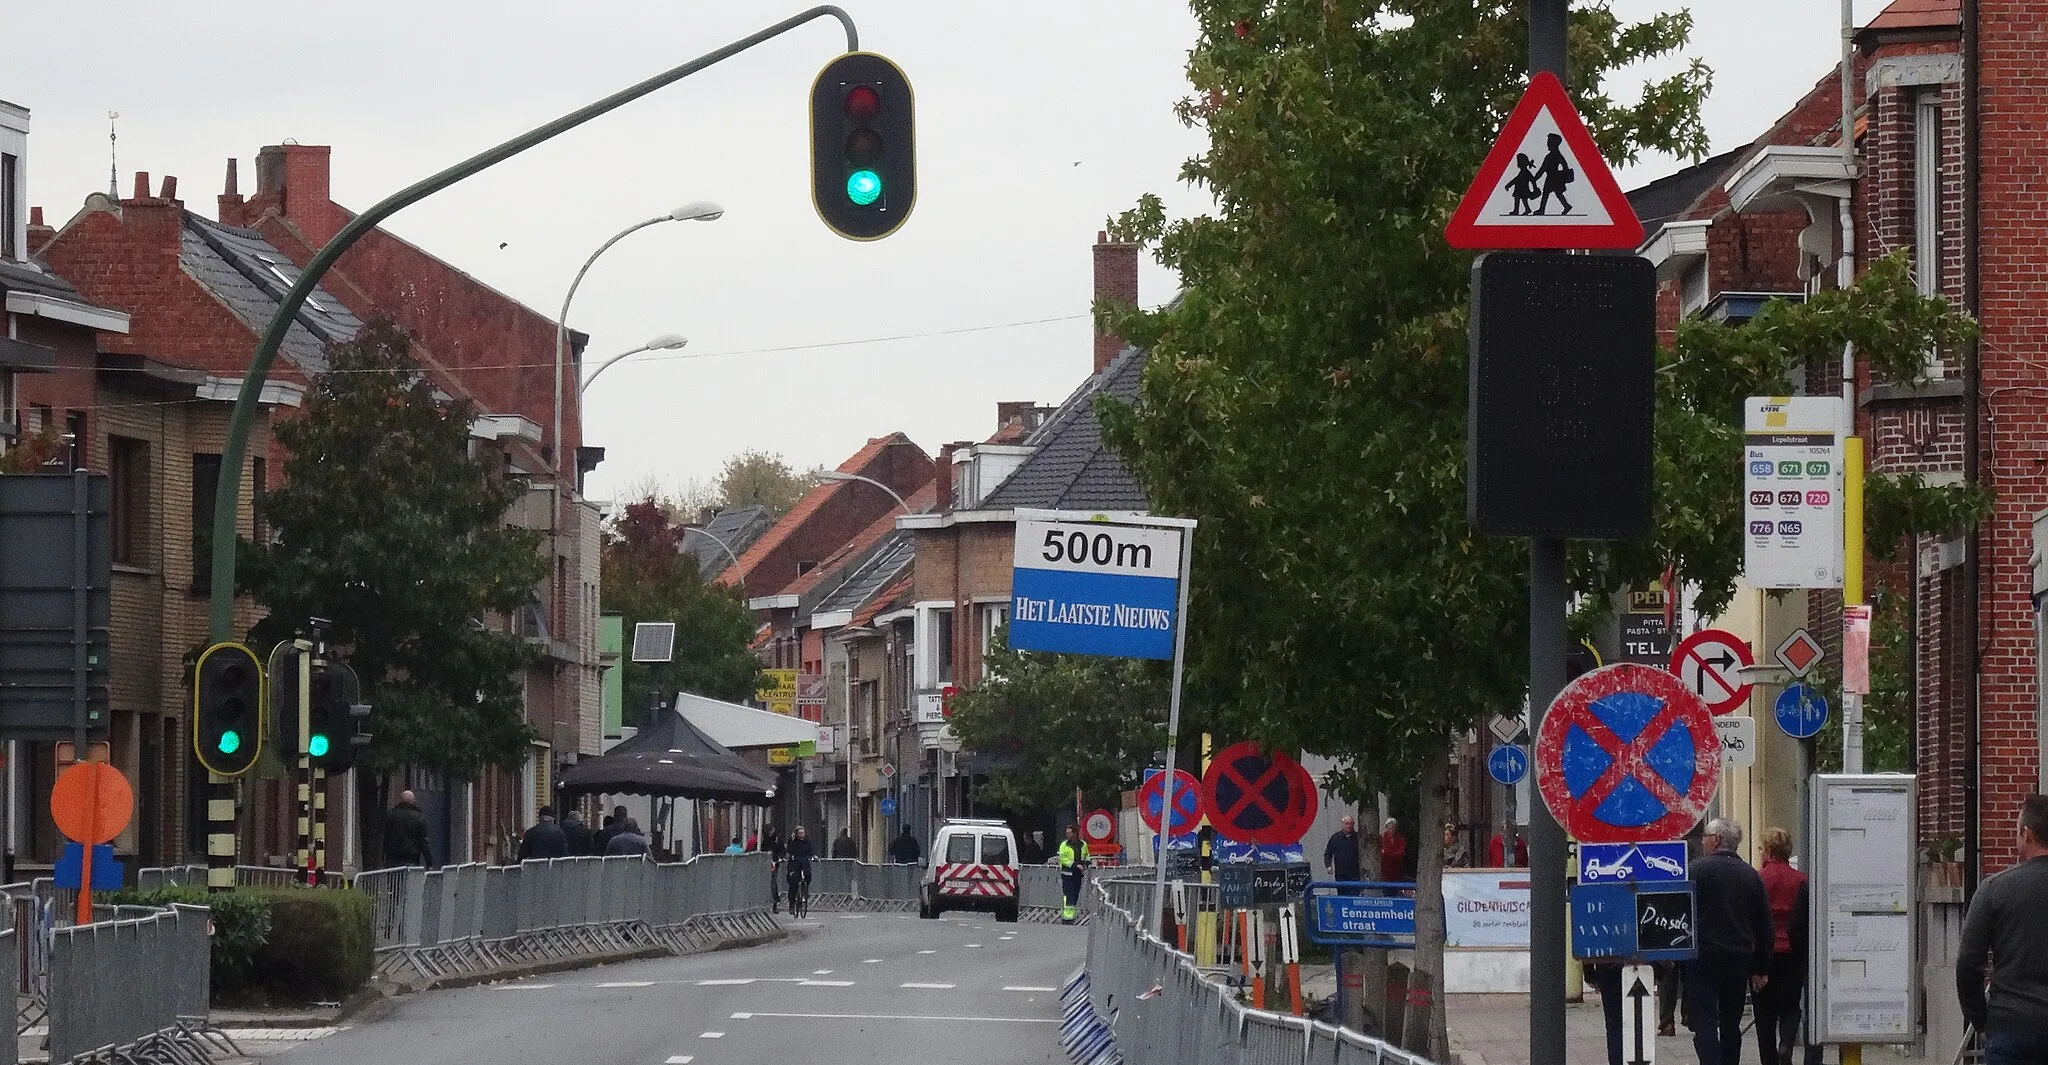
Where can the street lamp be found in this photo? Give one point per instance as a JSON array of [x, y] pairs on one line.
[[847, 754], [738, 575], [842, 475], [699, 211], [664, 342]]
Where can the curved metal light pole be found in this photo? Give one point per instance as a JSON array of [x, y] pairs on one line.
[[664, 342], [842, 476], [221, 614], [739, 577], [839, 475]]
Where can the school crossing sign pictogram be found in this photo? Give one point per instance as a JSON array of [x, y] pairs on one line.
[[1627, 754], [1544, 184]]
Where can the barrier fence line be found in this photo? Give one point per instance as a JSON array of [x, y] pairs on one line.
[[134, 985], [1141, 1002]]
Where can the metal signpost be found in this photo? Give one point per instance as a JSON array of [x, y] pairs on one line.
[[1094, 585]]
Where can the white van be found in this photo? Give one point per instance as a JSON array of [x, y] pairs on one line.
[[973, 866]]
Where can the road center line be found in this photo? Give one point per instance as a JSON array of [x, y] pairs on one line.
[[821, 972], [679, 1059], [629, 983], [1030, 988], [721, 983], [522, 987], [931, 987], [896, 1017], [920, 952], [712, 1035], [825, 983], [871, 961]]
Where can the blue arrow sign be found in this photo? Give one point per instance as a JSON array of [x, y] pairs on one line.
[[1508, 764], [1606, 863], [888, 806], [1801, 711]]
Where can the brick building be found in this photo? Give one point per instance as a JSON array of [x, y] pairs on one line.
[[203, 291], [1947, 143]]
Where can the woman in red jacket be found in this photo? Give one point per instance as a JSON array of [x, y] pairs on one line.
[[1777, 1004]]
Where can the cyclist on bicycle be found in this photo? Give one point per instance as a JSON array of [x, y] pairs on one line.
[[798, 858]]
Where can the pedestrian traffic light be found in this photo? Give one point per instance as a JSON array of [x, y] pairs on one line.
[[863, 146], [337, 720], [227, 709]]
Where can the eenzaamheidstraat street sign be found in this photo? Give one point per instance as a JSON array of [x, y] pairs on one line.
[[1095, 587], [1792, 478], [1544, 184]]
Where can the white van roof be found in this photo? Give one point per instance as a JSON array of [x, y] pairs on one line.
[[978, 822]]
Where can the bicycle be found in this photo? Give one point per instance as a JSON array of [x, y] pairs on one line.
[[799, 893]]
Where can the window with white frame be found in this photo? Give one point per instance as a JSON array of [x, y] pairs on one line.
[[934, 645]]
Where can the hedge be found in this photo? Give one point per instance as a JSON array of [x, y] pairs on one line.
[[279, 946]]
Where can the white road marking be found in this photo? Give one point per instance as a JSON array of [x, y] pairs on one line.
[[972, 946], [712, 1035], [821, 972], [897, 1017], [679, 1059], [927, 952], [871, 961], [1030, 988], [932, 987], [274, 1035], [722, 983], [853, 917], [824, 983], [629, 983], [521, 987]]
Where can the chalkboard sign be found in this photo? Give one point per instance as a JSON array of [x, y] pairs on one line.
[[1243, 887], [1234, 886], [1665, 923]]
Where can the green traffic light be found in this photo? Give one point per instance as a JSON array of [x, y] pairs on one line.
[[863, 187], [317, 746], [230, 742]]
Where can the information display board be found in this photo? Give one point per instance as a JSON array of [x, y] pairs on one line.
[[1792, 479], [1862, 951]]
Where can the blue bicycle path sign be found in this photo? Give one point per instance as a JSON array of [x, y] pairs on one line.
[[1801, 711], [1508, 764]]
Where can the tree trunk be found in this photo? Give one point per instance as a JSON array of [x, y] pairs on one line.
[[1425, 1031], [1371, 1002]]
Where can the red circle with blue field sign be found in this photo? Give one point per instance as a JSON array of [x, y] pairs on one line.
[[1627, 753]]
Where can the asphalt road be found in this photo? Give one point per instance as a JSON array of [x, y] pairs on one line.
[[848, 989]]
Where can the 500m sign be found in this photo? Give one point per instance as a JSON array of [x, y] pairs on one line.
[[1089, 587]]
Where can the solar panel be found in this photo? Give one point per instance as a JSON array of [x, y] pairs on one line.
[[654, 641]]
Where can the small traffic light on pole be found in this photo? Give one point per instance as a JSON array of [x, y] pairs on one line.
[[227, 709], [863, 146], [337, 735]]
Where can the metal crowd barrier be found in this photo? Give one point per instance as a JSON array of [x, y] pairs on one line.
[[845, 884], [469, 918], [1139, 1002], [132, 989]]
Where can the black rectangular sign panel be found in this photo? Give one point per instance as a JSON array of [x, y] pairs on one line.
[[41, 658], [1563, 360]]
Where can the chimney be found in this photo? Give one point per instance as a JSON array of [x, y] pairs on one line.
[[39, 233], [230, 202], [1116, 282], [944, 468], [170, 191], [142, 184], [294, 177]]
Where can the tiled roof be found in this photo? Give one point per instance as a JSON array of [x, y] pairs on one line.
[[759, 551], [19, 277], [1671, 197], [736, 527], [889, 562], [1918, 14], [1071, 469], [896, 595], [251, 276], [835, 565]]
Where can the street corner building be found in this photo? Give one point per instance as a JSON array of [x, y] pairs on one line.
[[130, 327]]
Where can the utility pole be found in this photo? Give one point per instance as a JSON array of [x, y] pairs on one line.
[[1547, 605]]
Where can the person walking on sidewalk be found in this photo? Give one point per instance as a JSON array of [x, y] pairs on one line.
[[1734, 945], [771, 841], [906, 850], [1777, 1005], [2005, 920], [405, 833], [1340, 854]]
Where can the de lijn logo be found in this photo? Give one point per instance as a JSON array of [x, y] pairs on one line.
[[1095, 588]]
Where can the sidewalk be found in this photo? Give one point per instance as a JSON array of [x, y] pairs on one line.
[[1494, 1030]]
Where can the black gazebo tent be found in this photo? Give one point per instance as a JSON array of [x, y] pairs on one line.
[[674, 759]]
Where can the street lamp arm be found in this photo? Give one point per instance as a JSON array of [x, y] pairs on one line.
[[562, 331], [221, 612], [726, 547], [840, 475]]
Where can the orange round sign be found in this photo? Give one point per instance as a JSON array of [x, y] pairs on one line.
[[92, 802]]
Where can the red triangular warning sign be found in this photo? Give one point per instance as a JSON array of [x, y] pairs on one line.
[[1544, 184]]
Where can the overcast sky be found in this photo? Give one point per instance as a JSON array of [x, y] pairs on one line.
[[1035, 122]]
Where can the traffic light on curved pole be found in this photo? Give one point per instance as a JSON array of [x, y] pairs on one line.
[[863, 146], [227, 709]]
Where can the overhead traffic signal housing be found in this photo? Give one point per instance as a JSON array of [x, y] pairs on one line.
[[227, 709], [863, 146]]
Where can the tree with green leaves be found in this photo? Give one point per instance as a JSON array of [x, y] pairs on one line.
[[645, 579], [1057, 722], [1305, 397], [762, 477], [390, 529]]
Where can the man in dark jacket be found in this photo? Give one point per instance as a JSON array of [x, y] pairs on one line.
[[1734, 935], [629, 840], [544, 839], [843, 846], [576, 832], [1340, 855], [905, 850], [613, 825], [2005, 921], [405, 833]]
